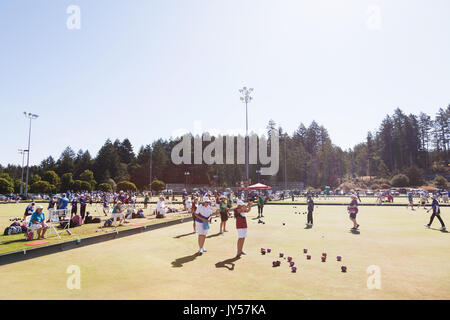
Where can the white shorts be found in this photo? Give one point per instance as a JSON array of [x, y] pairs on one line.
[[199, 228], [117, 215], [37, 226], [242, 233]]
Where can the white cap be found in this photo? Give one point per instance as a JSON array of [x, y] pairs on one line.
[[39, 207], [240, 203], [206, 199]]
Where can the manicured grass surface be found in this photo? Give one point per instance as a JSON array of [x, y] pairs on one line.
[[347, 199], [163, 264], [11, 243]]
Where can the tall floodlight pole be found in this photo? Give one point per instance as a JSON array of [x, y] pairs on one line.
[[150, 169], [30, 116], [259, 174], [186, 177], [22, 152], [285, 166], [246, 98]]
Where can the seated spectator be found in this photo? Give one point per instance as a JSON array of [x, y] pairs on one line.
[[160, 208], [118, 213], [139, 214], [37, 222]]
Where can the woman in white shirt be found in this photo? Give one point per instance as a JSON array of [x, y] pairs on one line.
[[160, 208], [202, 215]]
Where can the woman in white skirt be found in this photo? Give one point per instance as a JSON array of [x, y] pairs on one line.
[[241, 224], [202, 216]]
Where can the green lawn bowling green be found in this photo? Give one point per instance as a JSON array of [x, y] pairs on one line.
[[163, 264]]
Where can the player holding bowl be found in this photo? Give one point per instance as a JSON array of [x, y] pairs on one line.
[[241, 224]]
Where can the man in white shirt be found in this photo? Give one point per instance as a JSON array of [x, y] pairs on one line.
[[202, 215]]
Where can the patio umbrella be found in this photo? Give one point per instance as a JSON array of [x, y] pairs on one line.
[[259, 186]]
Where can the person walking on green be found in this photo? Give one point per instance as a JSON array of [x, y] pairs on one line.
[[310, 202], [260, 205], [223, 207], [229, 201], [146, 200]]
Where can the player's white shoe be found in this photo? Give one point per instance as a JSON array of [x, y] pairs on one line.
[[427, 226], [443, 229]]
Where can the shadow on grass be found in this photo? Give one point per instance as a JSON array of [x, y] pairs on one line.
[[14, 241], [443, 231], [307, 227], [354, 231], [228, 263], [214, 235], [184, 235], [178, 263]]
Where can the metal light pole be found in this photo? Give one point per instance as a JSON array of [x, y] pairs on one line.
[[186, 176], [150, 169], [285, 167], [246, 98], [22, 152], [30, 116], [259, 174]]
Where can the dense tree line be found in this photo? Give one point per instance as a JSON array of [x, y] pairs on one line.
[[403, 144]]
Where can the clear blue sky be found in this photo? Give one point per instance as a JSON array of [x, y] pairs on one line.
[[144, 69]]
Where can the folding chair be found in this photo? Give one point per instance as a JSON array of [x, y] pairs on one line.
[[56, 217]]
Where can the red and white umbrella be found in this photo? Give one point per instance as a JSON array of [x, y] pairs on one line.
[[259, 186]]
